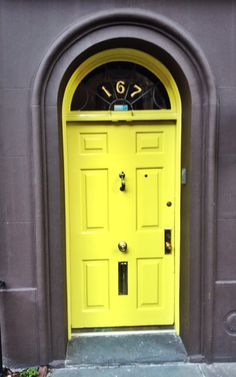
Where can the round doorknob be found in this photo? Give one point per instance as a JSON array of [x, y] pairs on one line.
[[122, 245]]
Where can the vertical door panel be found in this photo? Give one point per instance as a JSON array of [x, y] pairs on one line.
[[148, 198], [94, 187], [148, 283], [96, 284]]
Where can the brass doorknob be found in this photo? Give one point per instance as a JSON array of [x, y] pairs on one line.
[[122, 246]]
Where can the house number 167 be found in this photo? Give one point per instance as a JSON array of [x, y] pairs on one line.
[[121, 88]]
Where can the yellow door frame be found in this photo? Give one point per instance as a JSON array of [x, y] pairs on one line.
[[173, 114]]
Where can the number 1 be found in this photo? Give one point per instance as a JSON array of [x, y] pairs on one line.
[[106, 91]]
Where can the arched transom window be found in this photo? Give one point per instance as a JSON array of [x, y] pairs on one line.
[[120, 86]]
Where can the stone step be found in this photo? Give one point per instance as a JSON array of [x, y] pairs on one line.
[[164, 370], [122, 349]]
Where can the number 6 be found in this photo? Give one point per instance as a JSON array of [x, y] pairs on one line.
[[120, 87]]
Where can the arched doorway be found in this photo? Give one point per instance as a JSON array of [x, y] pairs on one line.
[[176, 49], [122, 143]]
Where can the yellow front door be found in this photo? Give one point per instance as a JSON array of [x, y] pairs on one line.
[[121, 195]]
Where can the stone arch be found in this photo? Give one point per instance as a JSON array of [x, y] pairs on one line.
[[183, 57]]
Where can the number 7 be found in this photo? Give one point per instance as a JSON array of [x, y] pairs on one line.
[[139, 89]]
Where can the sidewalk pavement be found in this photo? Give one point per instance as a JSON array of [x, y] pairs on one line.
[[165, 370]]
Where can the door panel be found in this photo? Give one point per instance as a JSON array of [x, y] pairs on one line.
[[110, 287], [148, 186], [95, 285], [148, 270], [94, 207]]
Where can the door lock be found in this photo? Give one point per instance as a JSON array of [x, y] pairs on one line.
[[168, 241], [122, 246]]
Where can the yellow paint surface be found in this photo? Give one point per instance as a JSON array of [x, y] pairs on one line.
[[98, 146], [101, 215]]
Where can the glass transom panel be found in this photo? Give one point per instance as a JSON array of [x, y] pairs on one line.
[[120, 86]]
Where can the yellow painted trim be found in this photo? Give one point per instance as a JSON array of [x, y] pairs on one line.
[[177, 222], [124, 54], [175, 114], [67, 216], [129, 116]]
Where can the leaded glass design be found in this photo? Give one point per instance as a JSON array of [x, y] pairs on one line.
[[120, 86]]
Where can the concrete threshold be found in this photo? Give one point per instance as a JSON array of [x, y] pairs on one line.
[[125, 348]]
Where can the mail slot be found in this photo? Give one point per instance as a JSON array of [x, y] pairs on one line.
[[123, 278]]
